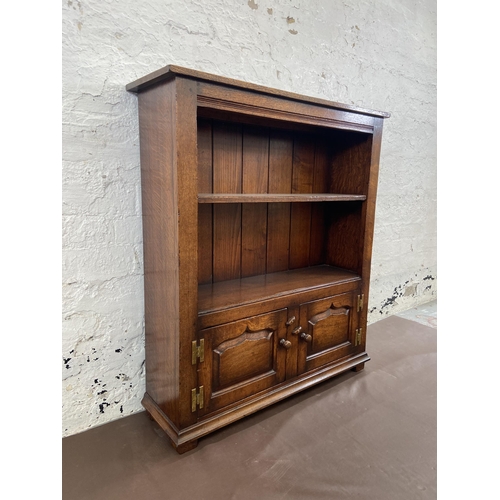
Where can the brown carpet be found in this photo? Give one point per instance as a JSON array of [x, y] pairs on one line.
[[370, 435]]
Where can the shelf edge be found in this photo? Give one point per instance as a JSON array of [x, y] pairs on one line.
[[276, 198]]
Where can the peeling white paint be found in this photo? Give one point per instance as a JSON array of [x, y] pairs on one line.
[[380, 55]]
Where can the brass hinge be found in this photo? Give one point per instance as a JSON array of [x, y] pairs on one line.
[[196, 398], [357, 339], [361, 300], [197, 351]]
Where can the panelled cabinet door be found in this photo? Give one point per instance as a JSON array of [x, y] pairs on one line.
[[242, 358], [328, 330]]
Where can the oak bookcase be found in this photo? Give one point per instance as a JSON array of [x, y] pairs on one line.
[[258, 213]]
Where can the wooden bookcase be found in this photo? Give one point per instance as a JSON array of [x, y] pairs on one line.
[[258, 212]]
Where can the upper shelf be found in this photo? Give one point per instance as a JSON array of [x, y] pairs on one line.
[[273, 198]]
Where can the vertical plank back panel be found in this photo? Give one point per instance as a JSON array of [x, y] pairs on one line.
[[321, 184], [250, 239], [254, 215], [300, 217], [205, 185], [227, 178], [278, 217]]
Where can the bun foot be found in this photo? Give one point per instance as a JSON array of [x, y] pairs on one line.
[[358, 368], [184, 447]]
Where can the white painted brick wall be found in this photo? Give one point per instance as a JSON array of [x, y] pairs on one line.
[[380, 55]]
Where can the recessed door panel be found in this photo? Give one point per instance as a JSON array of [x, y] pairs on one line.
[[248, 355], [242, 358], [327, 330]]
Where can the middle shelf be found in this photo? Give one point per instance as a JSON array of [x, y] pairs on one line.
[[272, 198], [214, 297]]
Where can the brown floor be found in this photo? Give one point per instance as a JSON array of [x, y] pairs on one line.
[[370, 435]]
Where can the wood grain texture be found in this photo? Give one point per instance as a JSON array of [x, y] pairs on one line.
[[267, 177], [278, 236], [254, 217], [205, 216], [328, 328], [258, 207], [227, 242], [243, 358], [169, 201], [227, 175], [259, 107], [321, 184], [300, 215], [331, 322], [230, 293], [171, 70], [161, 294], [251, 404], [186, 217], [207, 319], [344, 243], [207, 110], [206, 198], [351, 158], [368, 222], [246, 356]]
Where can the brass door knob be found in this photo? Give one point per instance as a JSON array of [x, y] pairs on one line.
[[305, 336], [290, 321], [285, 343], [296, 330]]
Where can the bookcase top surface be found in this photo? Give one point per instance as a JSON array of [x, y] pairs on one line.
[[170, 71]]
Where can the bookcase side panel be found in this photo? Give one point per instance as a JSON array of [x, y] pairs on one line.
[[186, 159], [160, 236], [369, 217]]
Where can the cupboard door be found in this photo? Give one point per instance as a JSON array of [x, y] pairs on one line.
[[328, 329], [242, 358]]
